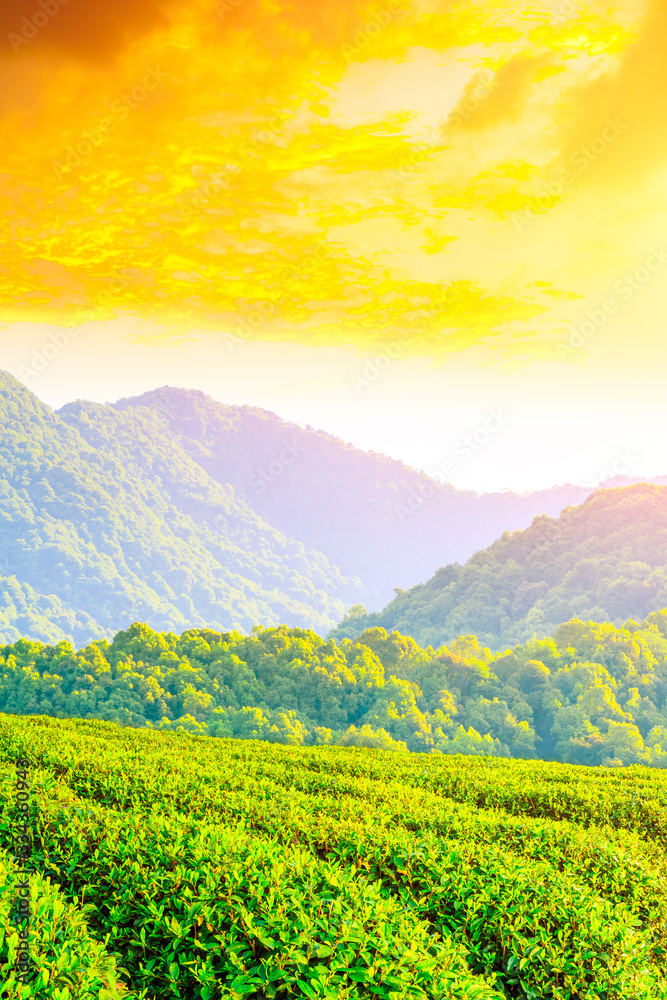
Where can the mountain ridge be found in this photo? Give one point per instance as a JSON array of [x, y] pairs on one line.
[[98, 536], [183, 511], [604, 560]]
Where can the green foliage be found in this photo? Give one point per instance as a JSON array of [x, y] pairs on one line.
[[224, 869], [594, 694], [182, 511], [70, 963], [603, 560], [109, 515]]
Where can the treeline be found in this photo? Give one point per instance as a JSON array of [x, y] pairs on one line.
[[593, 694]]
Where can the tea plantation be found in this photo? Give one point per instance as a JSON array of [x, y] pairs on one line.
[[166, 865]]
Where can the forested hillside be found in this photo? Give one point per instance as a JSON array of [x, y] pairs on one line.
[[182, 511], [373, 516], [592, 694], [604, 560], [94, 536]]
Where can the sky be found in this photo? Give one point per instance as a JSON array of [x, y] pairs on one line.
[[410, 223]]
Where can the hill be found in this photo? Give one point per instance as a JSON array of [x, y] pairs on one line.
[[605, 560], [181, 511], [169, 865], [374, 517], [93, 535]]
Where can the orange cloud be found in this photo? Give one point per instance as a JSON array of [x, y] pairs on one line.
[[191, 167], [80, 28], [491, 98]]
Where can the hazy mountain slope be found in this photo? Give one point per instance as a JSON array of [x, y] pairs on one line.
[[180, 511], [373, 516], [95, 534], [604, 560]]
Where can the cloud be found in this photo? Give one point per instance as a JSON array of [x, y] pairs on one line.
[[233, 191], [489, 100], [86, 30], [632, 94]]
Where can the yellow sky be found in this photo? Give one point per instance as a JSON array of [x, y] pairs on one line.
[[469, 172], [485, 181]]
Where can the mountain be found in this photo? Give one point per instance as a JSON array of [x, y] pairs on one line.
[[175, 509], [604, 560], [100, 524], [373, 516]]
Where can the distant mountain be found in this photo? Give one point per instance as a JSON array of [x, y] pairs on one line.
[[181, 511], [373, 516], [376, 518], [604, 560], [101, 516]]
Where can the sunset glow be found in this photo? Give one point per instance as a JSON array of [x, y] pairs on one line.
[[480, 180]]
